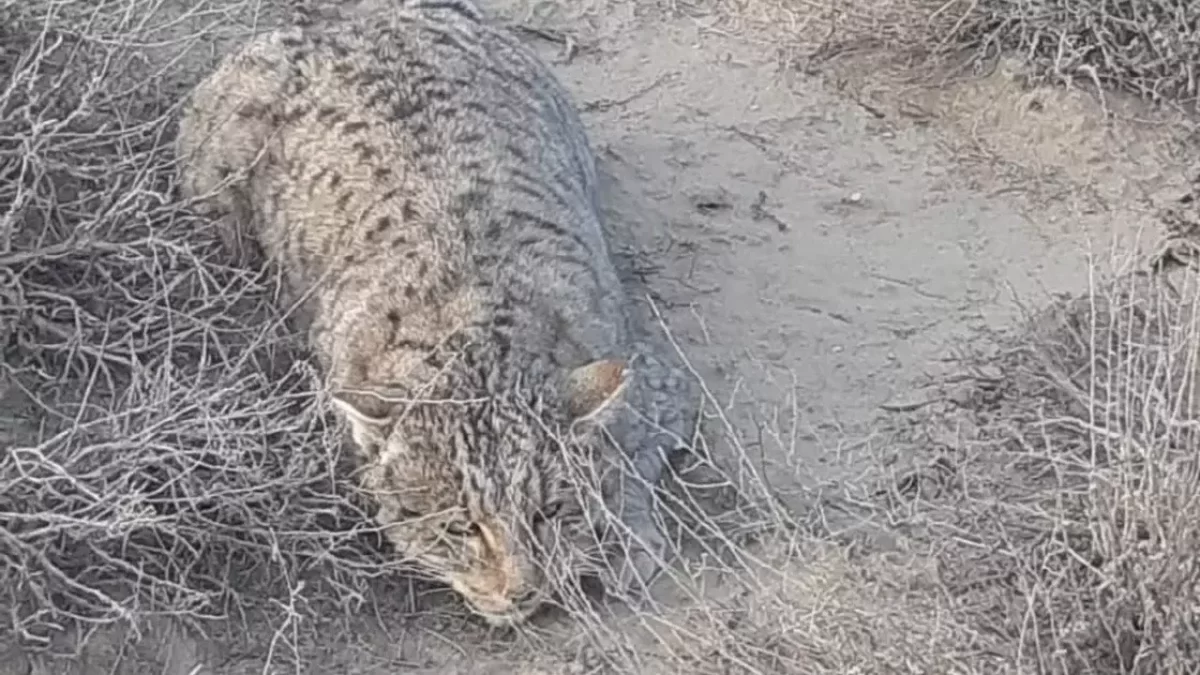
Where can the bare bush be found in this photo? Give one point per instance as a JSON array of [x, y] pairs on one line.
[[1148, 47], [163, 427], [820, 31], [1065, 496]]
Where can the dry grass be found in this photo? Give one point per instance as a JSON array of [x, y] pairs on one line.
[[1144, 47], [167, 459], [1046, 511], [1065, 486], [161, 405], [815, 31]]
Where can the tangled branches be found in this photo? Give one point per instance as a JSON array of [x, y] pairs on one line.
[[1150, 48], [161, 427]]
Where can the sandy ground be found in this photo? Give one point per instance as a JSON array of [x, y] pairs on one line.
[[819, 241]]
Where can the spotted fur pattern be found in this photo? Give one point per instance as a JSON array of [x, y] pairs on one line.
[[425, 186]]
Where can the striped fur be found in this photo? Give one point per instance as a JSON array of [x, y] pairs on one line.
[[426, 187]]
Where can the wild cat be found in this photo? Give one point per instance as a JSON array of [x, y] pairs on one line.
[[425, 186]]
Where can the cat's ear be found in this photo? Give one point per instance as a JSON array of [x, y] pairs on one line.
[[594, 388], [367, 415]]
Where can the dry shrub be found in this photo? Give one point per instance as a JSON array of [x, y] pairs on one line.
[[1146, 47], [823, 29], [1065, 498], [161, 425]]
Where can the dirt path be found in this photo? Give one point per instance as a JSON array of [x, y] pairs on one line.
[[801, 243], [804, 246]]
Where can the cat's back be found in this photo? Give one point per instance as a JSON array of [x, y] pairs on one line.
[[423, 165], [429, 123]]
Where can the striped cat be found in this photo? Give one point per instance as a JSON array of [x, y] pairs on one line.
[[425, 186]]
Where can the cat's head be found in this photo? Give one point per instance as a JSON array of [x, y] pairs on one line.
[[493, 493]]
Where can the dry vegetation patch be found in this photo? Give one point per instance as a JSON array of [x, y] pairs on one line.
[[1064, 497], [1144, 47], [161, 409]]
